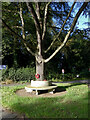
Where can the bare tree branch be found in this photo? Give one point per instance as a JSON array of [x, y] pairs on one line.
[[69, 32], [38, 13], [17, 27], [39, 40], [22, 20], [61, 28], [36, 18], [45, 19], [32, 11], [17, 36], [53, 27]]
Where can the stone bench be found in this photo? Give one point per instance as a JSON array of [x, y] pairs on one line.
[[50, 89]]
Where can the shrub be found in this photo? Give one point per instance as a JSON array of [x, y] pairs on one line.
[[21, 74], [11, 74], [25, 74], [60, 77], [4, 74]]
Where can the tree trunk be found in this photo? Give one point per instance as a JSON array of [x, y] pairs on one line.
[[39, 68]]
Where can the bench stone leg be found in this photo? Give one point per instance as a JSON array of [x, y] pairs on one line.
[[36, 92], [51, 91]]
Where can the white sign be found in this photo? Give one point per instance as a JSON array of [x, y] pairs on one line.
[[62, 70]]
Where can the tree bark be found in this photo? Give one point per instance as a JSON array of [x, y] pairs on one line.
[[38, 55], [45, 21], [40, 67]]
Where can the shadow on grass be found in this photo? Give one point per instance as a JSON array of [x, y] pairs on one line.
[[63, 88]]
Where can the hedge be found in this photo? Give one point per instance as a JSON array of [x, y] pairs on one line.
[[21, 74], [28, 73]]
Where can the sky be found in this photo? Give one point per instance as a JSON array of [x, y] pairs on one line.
[[81, 21]]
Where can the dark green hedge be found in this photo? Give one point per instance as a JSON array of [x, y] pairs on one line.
[[21, 74], [28, 73]]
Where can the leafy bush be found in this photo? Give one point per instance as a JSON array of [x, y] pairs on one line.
[[24, 74], [28, 73], [4, 74], [21, 74], [11, 74], [59, 77]]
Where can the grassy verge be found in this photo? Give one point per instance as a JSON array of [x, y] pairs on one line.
[[73, 104]]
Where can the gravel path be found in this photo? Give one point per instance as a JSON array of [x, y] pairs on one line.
[[76, 81]]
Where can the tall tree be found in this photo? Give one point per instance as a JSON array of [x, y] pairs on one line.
[[40, 15]]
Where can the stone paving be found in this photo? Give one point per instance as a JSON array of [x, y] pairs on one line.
[[6, 114]]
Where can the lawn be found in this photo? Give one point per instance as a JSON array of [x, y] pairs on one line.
[[73, 104]]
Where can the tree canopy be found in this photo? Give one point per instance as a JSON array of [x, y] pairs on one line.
[[38, 27]]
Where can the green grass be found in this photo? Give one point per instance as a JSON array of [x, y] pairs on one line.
[[73, 104]]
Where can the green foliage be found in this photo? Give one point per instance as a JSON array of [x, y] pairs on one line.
[[56, 77], [28, 73], [11, 73], [20, 74], [4, 73], [76, 52], [23, 74], [85, 73], [18, 54]]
